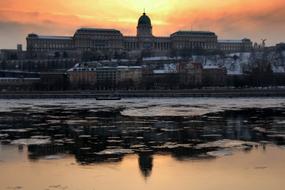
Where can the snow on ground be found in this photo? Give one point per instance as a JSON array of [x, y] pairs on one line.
[[278, 69], [235, 62]]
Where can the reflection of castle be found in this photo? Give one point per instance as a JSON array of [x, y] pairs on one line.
[[145, 164], [111, 41]]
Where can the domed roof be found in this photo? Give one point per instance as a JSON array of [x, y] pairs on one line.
[[32, 35], [144, 19]]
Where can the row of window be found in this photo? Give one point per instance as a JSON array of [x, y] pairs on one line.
[[51, 46], [97, 43], [135, 45], [196, 45], [226, 48], [90, 36], [3, 80], [156, 45]]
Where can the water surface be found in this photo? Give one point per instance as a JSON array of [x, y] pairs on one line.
[[183, 143]]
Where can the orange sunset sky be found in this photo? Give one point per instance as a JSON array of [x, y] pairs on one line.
[[236, 19]]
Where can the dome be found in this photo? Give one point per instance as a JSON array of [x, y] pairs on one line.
[[144, 19], [32, 35]]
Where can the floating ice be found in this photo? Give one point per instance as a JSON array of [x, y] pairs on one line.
[[3, 135], [226, 143], [220, 153], [170, 145], [260, 129], [53, 157], [115, 152], [280, 122], [31, 141], [16, 130], [163, 107]]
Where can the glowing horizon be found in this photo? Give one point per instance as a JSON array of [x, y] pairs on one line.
[[231, 19]]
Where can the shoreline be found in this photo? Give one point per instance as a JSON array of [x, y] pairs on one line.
[[219, 93]]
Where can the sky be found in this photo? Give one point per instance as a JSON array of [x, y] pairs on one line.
[[229, 19]]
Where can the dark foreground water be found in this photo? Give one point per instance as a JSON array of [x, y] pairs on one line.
[[184, 143]]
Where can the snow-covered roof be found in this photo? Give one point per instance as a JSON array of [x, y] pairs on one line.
[[129, 67], [211, 67], [234, 72], [135, 67], [278, 69], [81, 67], [167, 68], [158, 58], [122, 67], [159, 71]]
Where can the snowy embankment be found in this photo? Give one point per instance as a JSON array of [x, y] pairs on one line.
[[236, 63]]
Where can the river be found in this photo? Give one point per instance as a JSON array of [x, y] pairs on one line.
[[143, 143]]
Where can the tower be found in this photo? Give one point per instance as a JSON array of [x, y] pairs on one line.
[[144, 28]]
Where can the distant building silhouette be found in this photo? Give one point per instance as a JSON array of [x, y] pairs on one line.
[[108, 42]]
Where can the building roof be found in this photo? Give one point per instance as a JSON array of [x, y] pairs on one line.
[[82, 67], [18, 78], [144, 19], [50, 37], [211, 67], [230, 41], [56, 37], [129, 67], [190, 32], [159, 58], [97, 30], [8, 50]]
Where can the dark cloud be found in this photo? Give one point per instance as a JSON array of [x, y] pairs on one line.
[[12, 33], [269, 23], [234, 22]]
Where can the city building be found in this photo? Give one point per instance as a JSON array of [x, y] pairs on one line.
[[18, 84], [36, 43], [53, 81], [18, 80], [128, 77], [81, 77], [105, 77], [109, 42], [214, 76], [190, 74], [38, 65], [181, 74], [194, 40], [176, 75], [12, 54], [229, 46], [93, 39]]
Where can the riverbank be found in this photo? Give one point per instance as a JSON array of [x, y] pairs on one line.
[[218, 92]]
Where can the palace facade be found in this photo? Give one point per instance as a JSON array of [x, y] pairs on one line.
[[112, 41]]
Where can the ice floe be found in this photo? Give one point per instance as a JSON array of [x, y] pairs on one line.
[[53, 157], [115, 152], [220, 153], [30, 141], [226, 143]]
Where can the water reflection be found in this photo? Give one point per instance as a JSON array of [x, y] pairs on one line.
[[166, 172], [100, 147], [102, 134], [145, 164]]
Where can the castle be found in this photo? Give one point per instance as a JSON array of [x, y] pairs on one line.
[[113, 41]]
